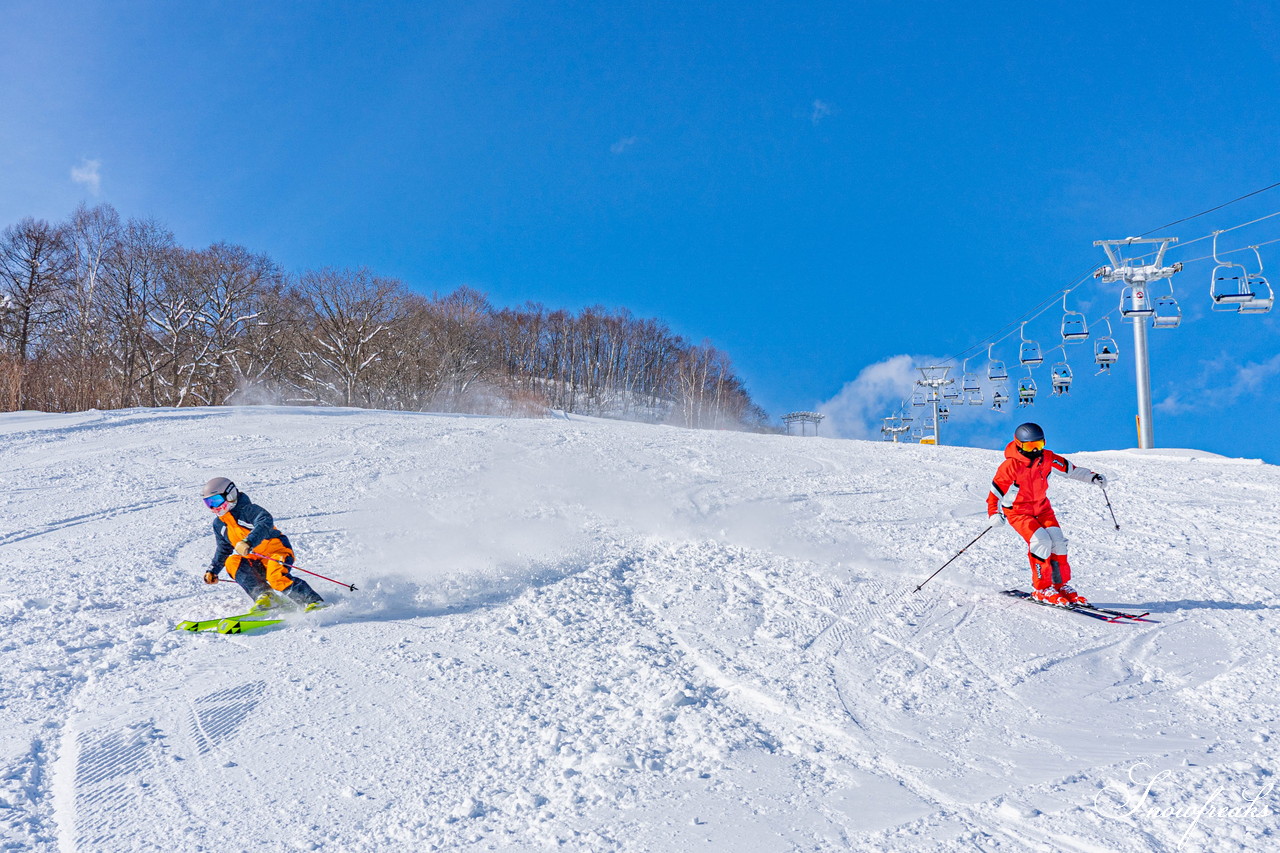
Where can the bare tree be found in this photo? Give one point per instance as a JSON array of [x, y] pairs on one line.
[[350, 313], [134, 284], [35, 271]]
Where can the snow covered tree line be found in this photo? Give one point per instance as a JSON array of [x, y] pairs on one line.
[[102, 312]]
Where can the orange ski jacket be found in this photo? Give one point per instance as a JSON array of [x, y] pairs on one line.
[[1021, 485]]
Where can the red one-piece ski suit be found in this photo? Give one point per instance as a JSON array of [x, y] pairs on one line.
[[1020, 491]]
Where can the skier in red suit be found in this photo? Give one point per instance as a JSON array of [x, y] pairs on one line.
[[1019, 498]]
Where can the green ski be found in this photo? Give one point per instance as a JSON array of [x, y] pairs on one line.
[[207, 624], [239, 624]]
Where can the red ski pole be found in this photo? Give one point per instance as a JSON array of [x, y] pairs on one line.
[[349, 586]]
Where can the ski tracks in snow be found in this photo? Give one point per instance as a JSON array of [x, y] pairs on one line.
[[605, 636]]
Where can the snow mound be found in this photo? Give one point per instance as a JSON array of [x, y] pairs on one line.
[[591, 635]]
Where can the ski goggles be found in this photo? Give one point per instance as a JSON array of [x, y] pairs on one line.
[[215, 502], [1031, 446]]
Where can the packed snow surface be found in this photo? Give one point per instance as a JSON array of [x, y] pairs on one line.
[[589, 635]]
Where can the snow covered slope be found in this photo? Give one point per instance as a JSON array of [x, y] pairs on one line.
[[605, 636]]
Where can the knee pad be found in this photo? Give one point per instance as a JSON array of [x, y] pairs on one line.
[[1058, 542], [1040, 544]]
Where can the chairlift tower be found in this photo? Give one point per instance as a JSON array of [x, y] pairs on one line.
[[1137, 306], [933, 380], [803, 418]]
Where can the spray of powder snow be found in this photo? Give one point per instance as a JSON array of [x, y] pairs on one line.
[[438, 541]]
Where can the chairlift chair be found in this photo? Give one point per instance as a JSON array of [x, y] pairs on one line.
[[1135, 303], [917, 398], [1075, 328], [999, 398], [1229, 284], [951, 392], [996, 371], [1029, 350], [1061, 378], [968, 381], [974, 397], [1167, 313], [1105, 351], [1026, 391], [1263, 296], [943, 414]]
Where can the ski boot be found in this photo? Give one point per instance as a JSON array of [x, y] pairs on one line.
[[263, 603], [1049, 595], [1070, 595], [314, 606]]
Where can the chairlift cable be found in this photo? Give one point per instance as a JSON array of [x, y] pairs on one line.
[[1212, 209], [1208, 236], [1233, 251], [1027, 317], [1043, 306]]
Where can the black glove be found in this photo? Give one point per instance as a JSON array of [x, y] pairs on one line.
[[210, 577]]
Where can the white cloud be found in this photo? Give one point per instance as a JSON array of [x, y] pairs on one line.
[[1244, 381], [821, 110], [623, 144], [877, 391], [89, 174]]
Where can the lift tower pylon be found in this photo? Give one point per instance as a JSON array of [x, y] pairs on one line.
[[1137, 306]]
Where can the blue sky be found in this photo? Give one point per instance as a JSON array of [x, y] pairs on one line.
[[815, 188]]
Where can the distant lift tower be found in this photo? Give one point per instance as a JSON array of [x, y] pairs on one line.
[[933, 381], [1138, 307], [803, 418]]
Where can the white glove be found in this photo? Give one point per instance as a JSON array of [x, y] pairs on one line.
[[1099, 480], [997, 519]]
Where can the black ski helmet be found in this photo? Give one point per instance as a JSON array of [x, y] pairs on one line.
[[220, 487], [1029, 432]]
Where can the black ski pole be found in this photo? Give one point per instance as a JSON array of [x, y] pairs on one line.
[[1113, 512], [952, 560]]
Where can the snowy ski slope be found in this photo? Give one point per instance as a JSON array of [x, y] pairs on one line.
[[588, 635]]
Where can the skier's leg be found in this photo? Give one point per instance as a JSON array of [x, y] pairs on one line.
[[1058, 546], [249, 575], [298, 590], [1039, 549]]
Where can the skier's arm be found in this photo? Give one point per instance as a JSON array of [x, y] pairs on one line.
[[1076, 472], [1003, 491], [263, 525], [222, 548]]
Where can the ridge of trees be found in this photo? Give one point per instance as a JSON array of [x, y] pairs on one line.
[[102, 312]]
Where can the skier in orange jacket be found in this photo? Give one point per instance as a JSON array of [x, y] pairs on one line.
[[252, 550], [1019, 498]]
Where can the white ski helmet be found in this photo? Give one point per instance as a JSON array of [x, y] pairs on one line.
[[220, 495]]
